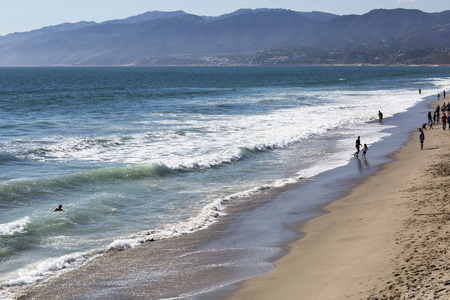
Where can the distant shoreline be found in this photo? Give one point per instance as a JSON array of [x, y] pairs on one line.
[[244, 37], [234, 65]]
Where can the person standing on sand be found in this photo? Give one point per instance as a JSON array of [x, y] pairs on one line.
[[421, 138], [438, 109], [357, 145], [444, 121]]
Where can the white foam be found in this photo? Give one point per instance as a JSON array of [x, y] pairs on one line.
[[38, 271], [14, 227], [202, 220], [44, 270], [212, 140]]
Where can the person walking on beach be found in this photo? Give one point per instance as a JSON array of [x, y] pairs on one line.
[[357, 145], [380, 117], [444, 121], [364, 150], [424, 126], [421, 138], [437, 114]]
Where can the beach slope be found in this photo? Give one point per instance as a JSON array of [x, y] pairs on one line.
[[387, 239]]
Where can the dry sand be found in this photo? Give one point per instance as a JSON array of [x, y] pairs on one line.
[[387, 239]]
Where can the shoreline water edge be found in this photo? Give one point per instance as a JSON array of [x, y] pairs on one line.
[[387, 239], [223, 260]]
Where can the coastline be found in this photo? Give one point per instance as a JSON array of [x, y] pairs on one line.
[[388, 238], [215, 260]]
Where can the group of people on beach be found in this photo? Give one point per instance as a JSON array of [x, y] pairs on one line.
[[432, 119], [358, 146], [435, 118]]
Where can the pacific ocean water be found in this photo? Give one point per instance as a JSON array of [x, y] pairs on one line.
[[135, 154]]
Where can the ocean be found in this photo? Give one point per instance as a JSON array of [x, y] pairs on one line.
[[137, 154]]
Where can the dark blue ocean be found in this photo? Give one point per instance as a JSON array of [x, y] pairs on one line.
[[146, 153]]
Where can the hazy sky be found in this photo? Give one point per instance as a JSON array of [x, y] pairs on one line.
[[25, 15]]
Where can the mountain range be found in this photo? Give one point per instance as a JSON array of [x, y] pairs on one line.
[[141, 39]]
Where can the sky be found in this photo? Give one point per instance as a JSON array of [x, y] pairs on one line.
[[26, 15]]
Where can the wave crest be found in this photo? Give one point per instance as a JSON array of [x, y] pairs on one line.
[[14, 227]]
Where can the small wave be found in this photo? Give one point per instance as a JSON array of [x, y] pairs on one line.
[[14, 227], [208, 215], [58, 148], [48, 267], [246, 150], [127, 172], [131, 172], [239, 154], [102, 174], [6, 158], [89, 143]]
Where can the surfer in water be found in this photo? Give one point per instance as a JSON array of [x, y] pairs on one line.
[[59, 208]]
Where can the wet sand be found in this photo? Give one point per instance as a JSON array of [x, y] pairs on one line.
[[387, 239]]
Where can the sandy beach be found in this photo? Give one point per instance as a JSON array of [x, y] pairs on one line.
[[387, 239]]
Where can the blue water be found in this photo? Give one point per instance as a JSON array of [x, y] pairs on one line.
[[141, 153]]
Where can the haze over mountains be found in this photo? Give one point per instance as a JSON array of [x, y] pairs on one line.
[[158, 37]]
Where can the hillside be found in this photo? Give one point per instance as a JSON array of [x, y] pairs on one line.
[[176, 37]]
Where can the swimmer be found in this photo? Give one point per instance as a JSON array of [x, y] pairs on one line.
[[59, 208]]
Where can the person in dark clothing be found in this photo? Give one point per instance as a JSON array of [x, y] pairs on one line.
[[357, 145]]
